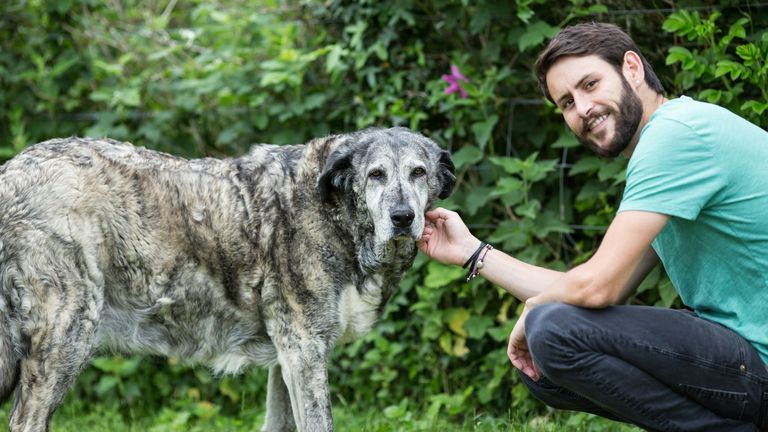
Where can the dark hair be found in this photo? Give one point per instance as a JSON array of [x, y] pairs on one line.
[[606, 41]]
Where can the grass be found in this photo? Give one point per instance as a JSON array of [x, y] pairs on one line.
[[202, 417]]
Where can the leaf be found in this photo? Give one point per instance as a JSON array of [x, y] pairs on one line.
[[548, 222], [457, 320], [127, 97], [710, 95], [480, 20], [500, 334], [460, 347], [395, 411], [611, 169], [756, 106], [440, 275], [587, 164], [528, 210], [477, 199], [650, 281], [476, 326], [537, 171], [750, 53], [566, 140], [483, 129], [667, 293], [106, 383], [511, 233], [446, 342], [510, 165], [535, 34], [736, 70], [680, 55], [467, 155]]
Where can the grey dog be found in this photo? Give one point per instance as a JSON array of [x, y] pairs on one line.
[[268, 259]]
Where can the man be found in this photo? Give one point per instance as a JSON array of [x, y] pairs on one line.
[[697, 197]]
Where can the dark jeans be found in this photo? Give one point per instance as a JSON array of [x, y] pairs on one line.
[[660, 369]]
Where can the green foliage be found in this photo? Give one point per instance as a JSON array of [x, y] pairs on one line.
[[725, 64], [204, 77]]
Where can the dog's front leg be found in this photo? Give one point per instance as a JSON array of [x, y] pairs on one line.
[[304, 366], [279, 416]]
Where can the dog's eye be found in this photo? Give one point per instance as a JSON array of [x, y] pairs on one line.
[[376, 174], [418, 172]]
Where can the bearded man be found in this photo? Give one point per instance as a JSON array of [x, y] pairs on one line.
[[696, 198]]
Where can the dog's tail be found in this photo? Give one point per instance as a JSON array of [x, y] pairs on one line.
[[9, 355]]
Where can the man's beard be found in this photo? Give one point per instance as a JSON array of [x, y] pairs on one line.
[[626, 122]]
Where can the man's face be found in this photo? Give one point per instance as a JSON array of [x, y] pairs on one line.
[[597, 102]]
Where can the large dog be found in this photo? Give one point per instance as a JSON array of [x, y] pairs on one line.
[[268, 259]]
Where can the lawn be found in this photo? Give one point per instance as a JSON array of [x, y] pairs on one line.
[[202, 417]]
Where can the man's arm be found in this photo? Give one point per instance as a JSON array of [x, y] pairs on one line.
[[448, 240], [618, 266]]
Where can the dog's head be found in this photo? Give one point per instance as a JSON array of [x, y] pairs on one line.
[[394, 174]]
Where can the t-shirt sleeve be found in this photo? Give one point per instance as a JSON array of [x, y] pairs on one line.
[[673, 171]]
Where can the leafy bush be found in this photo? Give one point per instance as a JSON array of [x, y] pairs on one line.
[[205, 77]]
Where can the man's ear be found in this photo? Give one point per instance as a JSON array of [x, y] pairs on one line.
[[446, 174], [336, 175], [632, 68]]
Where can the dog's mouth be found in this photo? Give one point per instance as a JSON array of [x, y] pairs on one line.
[[404, 233]]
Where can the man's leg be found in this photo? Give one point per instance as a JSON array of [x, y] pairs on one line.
[[661, 369]]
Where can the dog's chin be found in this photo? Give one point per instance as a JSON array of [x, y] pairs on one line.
[[397, 247], [404, 234]]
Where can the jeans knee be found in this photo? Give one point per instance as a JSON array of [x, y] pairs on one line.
[[546, 332], [547, 320]]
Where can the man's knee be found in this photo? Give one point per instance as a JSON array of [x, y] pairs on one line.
[[548, 330], [548, 320]]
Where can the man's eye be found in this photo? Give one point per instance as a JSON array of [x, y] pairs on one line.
[[567, 103], [418, 172], [591, 84]]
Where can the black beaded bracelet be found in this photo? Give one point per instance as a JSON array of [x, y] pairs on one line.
[[474, 255], [476, 261]]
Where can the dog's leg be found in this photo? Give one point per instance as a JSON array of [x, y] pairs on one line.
[[303, 358], [61, 334], [279, 416]]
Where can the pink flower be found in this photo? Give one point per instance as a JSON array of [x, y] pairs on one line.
[[453, 79]]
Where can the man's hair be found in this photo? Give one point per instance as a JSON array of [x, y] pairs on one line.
[[606, 41]]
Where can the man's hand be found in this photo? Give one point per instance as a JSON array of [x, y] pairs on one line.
[[518, 352], [446, 238]]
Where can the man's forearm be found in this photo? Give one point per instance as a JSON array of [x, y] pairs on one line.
[[520, 279]]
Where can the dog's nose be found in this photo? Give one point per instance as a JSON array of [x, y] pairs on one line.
[[402, 217]]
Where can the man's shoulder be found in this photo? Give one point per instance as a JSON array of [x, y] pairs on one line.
[[690, 112]]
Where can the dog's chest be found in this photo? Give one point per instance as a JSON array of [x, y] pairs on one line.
[[359, 308]]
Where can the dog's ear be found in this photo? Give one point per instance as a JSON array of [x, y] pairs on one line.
[[336, 176], [446, 174]]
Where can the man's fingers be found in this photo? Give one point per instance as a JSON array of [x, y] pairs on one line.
[[438, 213]]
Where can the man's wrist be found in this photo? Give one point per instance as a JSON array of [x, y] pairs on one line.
[[469, 249]]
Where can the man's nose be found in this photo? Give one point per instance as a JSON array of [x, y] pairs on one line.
[[583, 105]]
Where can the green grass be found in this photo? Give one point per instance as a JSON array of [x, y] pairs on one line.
[[203, 417]]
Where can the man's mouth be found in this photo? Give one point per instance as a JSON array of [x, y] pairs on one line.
[[595, 122]]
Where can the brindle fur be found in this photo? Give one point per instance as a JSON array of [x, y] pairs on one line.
[[267, 259]]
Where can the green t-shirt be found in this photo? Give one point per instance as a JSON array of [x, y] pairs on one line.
[[707, 168]]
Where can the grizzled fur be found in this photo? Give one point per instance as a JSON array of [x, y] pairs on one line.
[[267, 259]]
